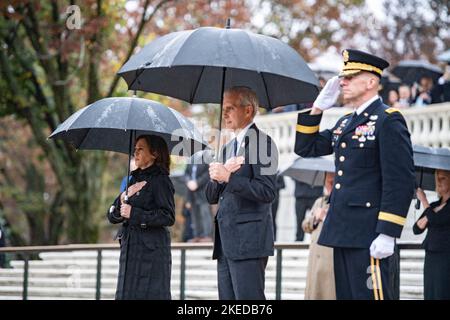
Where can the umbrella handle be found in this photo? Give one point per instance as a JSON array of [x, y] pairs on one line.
[[420, 186], [128, 168]]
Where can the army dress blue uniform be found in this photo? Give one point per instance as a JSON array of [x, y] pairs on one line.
[[372, 192]]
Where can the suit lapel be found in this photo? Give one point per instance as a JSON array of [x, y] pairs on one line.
[[251, 131]]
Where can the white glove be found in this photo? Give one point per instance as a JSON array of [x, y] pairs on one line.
[[382, 247], [329, 94]]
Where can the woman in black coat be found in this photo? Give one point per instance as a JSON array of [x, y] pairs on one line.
[[436, 218], [145, 256]]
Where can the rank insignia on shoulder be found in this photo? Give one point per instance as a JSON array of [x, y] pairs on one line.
[[391, 110]]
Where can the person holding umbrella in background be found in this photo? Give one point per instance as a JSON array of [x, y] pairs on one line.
[[436, 218], [145, 256], [374, 182]]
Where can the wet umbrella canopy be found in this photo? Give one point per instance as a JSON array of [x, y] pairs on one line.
[[310, 170], [410, 71], [197, 65], [109, 124], [426, 160], [114, 123]]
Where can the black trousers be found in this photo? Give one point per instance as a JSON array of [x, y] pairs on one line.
[[301, 206], [358, 276], [437, 275], [241, 279]]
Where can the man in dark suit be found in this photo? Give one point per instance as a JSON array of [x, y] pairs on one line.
[[196, 177], [244, 188], [374, 182]]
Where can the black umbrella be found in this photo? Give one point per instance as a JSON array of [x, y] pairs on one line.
[[114, 123], [388, 82], [410, 71], [426, 160], [310, 170], [198, 65]]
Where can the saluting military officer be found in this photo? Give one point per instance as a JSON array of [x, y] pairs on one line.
[[374, 182]]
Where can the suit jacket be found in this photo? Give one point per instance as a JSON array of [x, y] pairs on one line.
[[374, 182], [244, 226], [202, 177]]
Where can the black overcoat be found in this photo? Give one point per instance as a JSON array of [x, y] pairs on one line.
[[145, 257]]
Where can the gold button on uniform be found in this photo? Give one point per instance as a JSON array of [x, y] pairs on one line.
[[340, 173], [368, 204], [343, 145], [337, 186], [341, 158]]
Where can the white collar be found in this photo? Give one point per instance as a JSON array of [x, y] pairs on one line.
[[364, 106], [240, 136]]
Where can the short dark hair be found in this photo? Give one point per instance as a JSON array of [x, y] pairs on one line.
[[158, 147]]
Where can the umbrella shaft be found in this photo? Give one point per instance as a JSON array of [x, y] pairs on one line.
[[128, 167], [224, 71]]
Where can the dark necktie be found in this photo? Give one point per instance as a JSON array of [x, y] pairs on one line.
[[351, 120], [235, 147]]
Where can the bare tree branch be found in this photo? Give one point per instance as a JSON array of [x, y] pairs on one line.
[[134, 42]]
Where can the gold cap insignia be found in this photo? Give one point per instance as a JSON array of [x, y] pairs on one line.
[[345, 55]]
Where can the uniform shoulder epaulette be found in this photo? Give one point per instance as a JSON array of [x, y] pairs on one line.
[[392, 110]]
